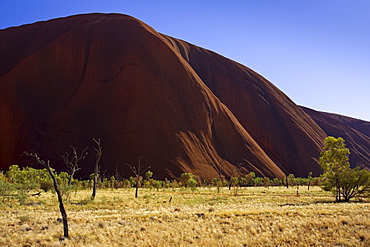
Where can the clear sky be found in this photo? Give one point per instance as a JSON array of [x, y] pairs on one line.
[[315, 51]]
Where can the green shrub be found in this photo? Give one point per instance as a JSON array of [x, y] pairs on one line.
[[22, 197], [46, 185], [192, 183], [6, 188]]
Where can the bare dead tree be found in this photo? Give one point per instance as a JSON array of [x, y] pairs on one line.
[[118, 176], [310, 178], [219, 168], [102, 174], [234, 179], [99, 153], [57, 190], [138, 171], [72, 162], [286, 181]]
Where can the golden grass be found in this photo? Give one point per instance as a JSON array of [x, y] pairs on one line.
[[255, 217]]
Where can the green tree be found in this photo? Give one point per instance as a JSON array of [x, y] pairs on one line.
[[250, 177], [184, 178], [290, 179], [257, 181], [334, 160], [192, 183], [266, 182], [148, 175], [338, 177], [277, 181], [158, 184], [355, 183]]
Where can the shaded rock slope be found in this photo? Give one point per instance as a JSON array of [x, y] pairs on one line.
[[289, 136], [355, 132], [175, 106]]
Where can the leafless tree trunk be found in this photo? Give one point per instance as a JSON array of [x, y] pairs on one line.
[[235, 178], [219, 168], [138, 171], [57, 190], [72, 163], [117, 176], [287, 181], [99, 153], [309, 180]]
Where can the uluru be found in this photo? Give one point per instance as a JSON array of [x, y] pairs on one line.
[[174, 105]]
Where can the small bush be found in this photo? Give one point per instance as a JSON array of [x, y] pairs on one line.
[[23, 218], [46, 185], [6, 188], [192, 183], [22, 196]]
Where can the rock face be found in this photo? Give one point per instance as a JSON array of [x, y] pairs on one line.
[[288, 136], [176, 107], [355, 132]]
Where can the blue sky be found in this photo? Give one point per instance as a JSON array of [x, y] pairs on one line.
[[317, 51]]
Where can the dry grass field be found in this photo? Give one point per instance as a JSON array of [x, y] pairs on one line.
[[255, 217]]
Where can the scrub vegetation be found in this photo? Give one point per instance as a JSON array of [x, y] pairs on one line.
[[184, 216], [244, 210]]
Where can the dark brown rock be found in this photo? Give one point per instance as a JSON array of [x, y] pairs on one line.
[[113, 77], [355, 132], [287, 135], [178, 106]]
